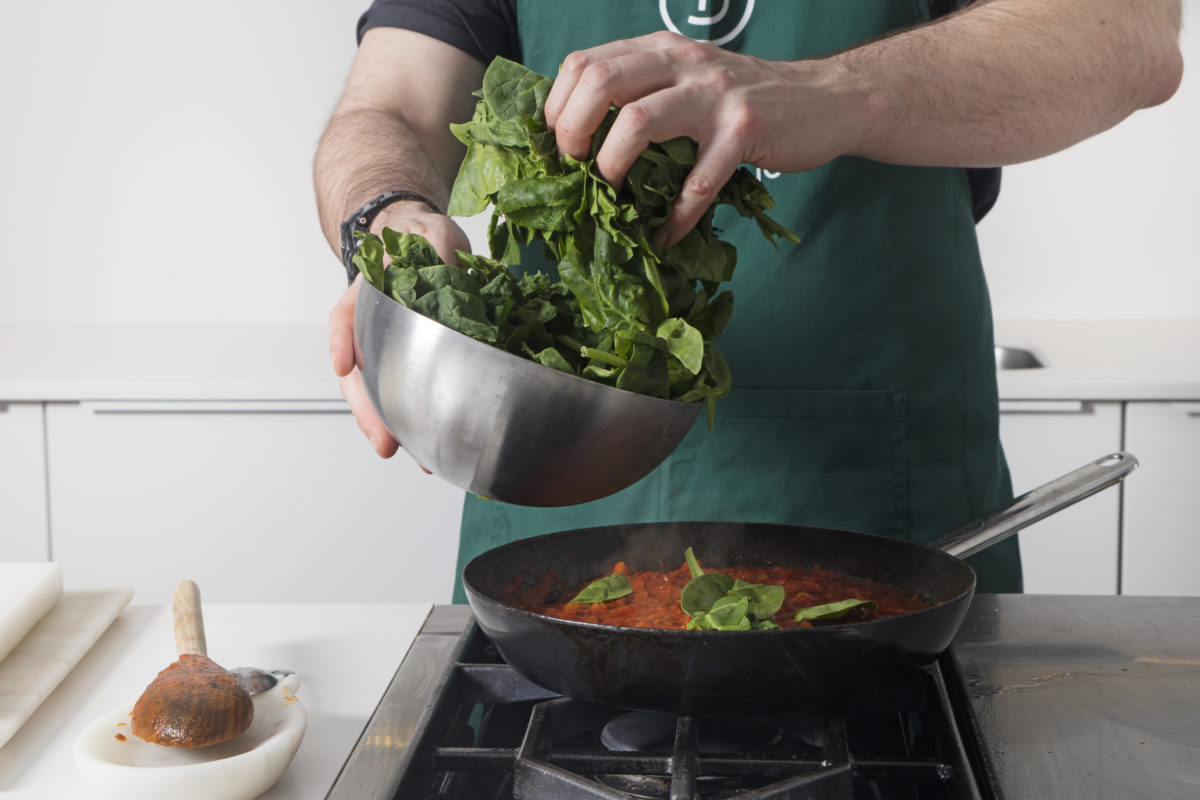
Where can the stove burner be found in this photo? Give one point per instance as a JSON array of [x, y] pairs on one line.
[[654, 731], [641, 787], [717, 734]]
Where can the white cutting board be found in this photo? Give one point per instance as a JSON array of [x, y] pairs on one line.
[[27, 591]]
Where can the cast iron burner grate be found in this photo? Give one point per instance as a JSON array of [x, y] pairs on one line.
[[489, 734]]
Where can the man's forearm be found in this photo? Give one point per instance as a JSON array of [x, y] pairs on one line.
[[1009, 80], [391, 128], [363, 152]]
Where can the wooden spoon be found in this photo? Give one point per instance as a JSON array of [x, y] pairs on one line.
[[193, 702]]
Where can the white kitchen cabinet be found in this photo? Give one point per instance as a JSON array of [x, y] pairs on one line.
[[24, 535], [1076, 551], [1161, 551], [255, 501]]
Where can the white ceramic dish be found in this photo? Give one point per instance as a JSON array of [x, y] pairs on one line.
[[116, 764]]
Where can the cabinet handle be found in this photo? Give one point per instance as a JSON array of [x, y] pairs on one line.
[[1191, 409], [1043, 407], [215, 406]]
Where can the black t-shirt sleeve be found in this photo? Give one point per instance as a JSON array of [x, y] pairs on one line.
[[483, 29]]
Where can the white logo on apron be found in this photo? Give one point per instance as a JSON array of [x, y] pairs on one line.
[[703, 18]]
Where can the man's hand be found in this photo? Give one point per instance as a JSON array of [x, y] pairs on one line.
[[737, 108], [446, 237]]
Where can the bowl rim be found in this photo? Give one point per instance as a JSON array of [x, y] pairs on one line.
[[517, 362]]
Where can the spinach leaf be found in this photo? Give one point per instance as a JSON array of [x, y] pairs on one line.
[[832, 610], [684, 342], [764, 600], [513, 92], [410, 248], [701, 594], [704, 589], [604, 589], [455, 308], [369, 259], [728, 613]]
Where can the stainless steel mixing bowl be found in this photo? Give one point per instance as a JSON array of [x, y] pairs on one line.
[[502, 426]]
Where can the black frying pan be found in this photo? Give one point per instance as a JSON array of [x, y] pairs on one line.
[[745, 671]]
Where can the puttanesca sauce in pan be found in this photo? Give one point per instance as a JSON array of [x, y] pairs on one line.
[[654, 602]]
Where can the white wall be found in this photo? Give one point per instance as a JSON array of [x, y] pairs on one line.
[[1109, 229], [156, 159], [155, 166]]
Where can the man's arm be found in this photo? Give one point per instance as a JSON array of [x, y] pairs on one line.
[[1000, 82], [1012, 80], [391, 130]]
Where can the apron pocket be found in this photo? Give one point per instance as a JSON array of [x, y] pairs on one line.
[[832, 459]]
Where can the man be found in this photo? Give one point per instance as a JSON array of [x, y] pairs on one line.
[[864, 385]]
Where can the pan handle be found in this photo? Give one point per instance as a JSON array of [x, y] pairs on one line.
[[1037, 504]]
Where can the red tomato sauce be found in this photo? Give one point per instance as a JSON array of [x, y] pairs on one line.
[[654, 602]]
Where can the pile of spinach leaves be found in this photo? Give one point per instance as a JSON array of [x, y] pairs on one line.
[[621, 312], [716, 602]]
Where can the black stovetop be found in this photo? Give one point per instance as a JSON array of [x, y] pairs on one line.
[[1051, 696], [486, 733]]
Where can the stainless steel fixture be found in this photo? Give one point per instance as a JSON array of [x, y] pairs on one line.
[[1016, 358]]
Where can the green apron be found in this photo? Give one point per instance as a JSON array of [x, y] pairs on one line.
[[864, 379]]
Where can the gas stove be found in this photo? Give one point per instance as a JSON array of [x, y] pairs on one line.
[[459, 723]]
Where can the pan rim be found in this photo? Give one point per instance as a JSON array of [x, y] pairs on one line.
[[684, 633]]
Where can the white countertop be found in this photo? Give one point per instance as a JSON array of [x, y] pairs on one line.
[[1084, 360], [1104, 360], [166, 362], [345, 655]]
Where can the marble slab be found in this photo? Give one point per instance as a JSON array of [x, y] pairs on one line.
[[28, 589], [51, 649]]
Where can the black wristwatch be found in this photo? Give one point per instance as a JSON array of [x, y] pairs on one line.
[[360, 221]]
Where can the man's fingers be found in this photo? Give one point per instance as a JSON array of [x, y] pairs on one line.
[[364, 413], [368, 421], [341, 350], [714, 165], [656, 117], [341, 330], [574, 65], [661, 116], [602, 85]]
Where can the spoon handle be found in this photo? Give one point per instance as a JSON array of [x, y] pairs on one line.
[[189, 623]]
